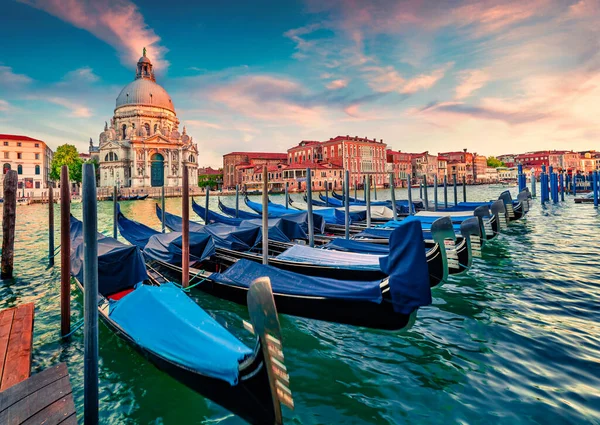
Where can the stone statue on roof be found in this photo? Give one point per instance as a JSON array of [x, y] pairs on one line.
[[144, 51]]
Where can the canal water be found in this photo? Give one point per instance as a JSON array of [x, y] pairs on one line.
[[515, 341]]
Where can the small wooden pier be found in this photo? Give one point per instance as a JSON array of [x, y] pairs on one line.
[[44, 398]]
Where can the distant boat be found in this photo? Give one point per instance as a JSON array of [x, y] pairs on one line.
[[23, 201]]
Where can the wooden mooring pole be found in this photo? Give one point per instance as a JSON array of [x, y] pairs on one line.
[[162, 204], [50, 225], [393, 196], [445, 191], [90, 303], [311, 221], [206, 203], [265, 216], [115, 207], [65, 252], [368, 198], [237, 200], [346, 204], [8, 223], [411, 210], [185, 230], [435, 192]]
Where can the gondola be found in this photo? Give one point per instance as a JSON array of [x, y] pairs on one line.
[[311, 261], [387, 303], [142, 197], [169, 329]]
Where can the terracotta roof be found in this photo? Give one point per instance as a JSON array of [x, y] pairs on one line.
[[20, 138], [264, 155], [209, 171], [354, 139]]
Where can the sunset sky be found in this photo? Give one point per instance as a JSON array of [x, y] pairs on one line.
[[491, 76]]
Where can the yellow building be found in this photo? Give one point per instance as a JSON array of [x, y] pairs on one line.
[[30, 158]]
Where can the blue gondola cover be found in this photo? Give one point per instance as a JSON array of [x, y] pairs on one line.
[[350, 245], [407, 268], [120, 266], [336, 259], [167, 247], [243, 272], [169, 323]]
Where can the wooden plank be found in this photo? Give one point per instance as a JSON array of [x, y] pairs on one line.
[[55, 413], [45, 398], [37, 381], [18, 356], [6, 319]]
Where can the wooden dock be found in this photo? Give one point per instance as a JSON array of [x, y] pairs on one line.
[[44, 398]]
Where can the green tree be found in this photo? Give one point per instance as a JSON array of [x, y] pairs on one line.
[[494, 162], [66, 155]]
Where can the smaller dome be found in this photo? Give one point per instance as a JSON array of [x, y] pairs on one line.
[[144, 59]]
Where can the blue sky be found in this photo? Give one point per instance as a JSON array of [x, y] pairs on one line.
[[491, 76]]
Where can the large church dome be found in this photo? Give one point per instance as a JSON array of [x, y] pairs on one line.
[[144, 90]]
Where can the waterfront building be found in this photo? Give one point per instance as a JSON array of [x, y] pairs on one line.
[[360, 156], [442, 168], [508, 173], [564, 160], [29, 157], [142, 145], [235, 164], [400, 164], [589, 161], [533, 161], [508, 159], [424, 164]]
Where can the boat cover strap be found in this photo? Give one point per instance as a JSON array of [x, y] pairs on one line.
[[166, 321]]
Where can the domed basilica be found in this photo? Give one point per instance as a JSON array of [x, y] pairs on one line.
[[142, 146]]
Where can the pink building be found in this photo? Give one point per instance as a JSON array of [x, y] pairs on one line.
[[400, 164]]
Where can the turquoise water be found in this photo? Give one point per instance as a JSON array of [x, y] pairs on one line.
[[515, 341]]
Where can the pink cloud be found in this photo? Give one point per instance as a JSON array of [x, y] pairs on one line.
[[268, 98], [118, 23], [387, 79], [8, 77], [470, 81], [337, 84]]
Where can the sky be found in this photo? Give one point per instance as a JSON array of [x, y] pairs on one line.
[[494, 77]]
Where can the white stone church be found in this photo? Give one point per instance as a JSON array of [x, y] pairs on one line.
[[142, 145]]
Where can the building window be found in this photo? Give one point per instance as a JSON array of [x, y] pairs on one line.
[[6, 155], [147, 128], [124, 131], [37, 169], [19, 169], [5, 168], [19, 155], [19, 144], [5, 143], [37, 156], [155, 128], [192, 159], [37, 185], [37, 145]]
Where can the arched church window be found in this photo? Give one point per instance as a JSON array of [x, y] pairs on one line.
[[124, 131], [106, 157], [192, 159], [147, 126], [116, 157], [155, 128]]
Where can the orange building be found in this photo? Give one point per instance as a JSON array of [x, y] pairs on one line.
[[30, 158]]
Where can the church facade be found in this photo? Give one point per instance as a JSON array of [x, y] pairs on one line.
[[142, 145]]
